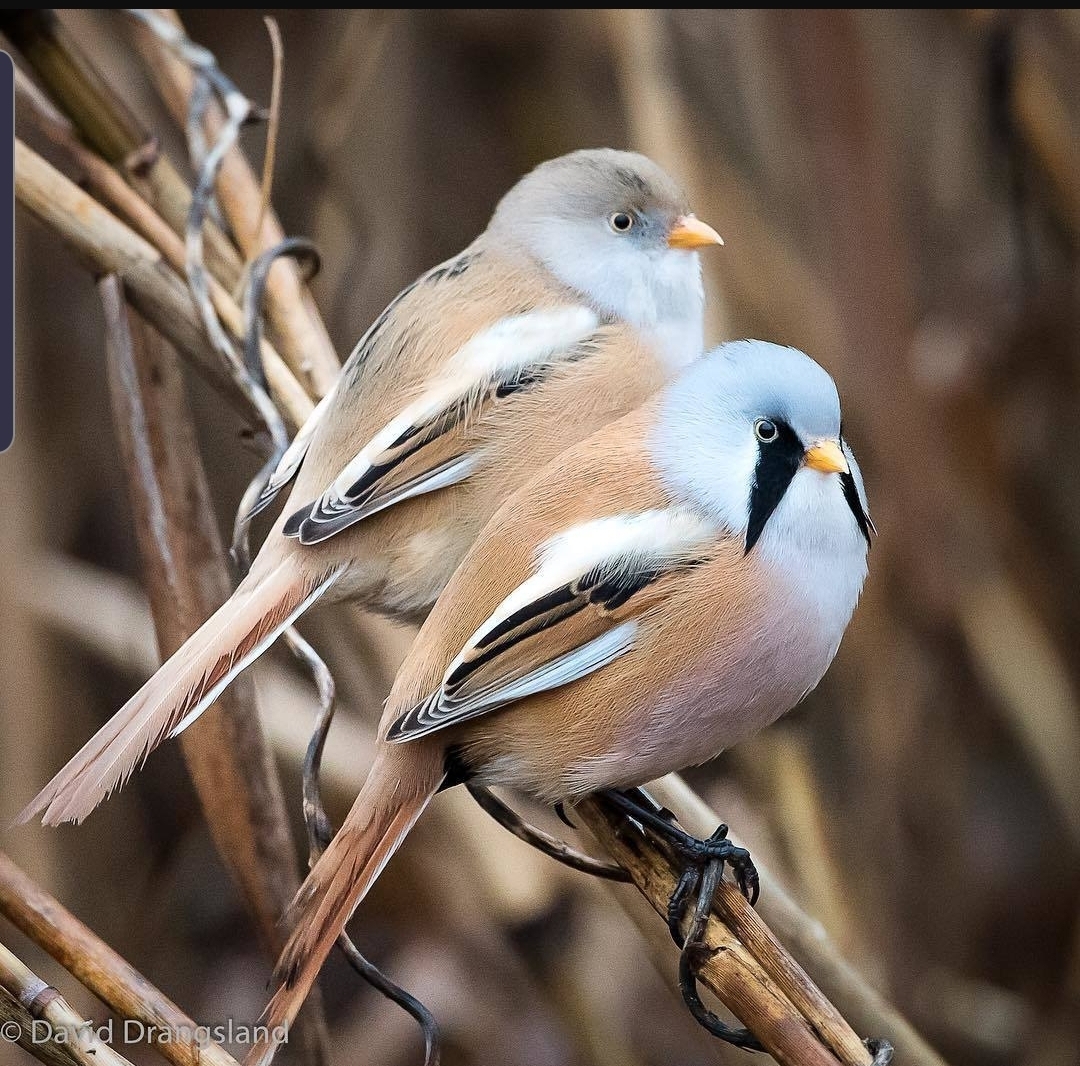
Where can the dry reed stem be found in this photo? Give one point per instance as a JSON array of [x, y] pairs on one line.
[[108, 185], [294, 319], [107, 125], [98, 967], [187, 579], [11, 1010], [240, 110], [749, 971], [805, 937], [58, 1024], [107, 246]]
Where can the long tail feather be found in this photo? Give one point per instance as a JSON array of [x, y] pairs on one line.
[[387, 808], [183, 687]]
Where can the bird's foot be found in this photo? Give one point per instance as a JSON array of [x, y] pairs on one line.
[[703, 869], [696, 951], [695, 853]]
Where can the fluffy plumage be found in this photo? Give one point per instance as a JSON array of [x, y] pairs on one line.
[[612, 623], [559, 216], [548, 326]]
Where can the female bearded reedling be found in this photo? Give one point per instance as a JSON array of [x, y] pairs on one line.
[[656, 594], [580, 299]]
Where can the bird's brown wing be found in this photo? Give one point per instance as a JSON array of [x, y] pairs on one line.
[[425, 446], [548, 633], [290, 463]]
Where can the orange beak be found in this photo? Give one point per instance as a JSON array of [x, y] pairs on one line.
[[826, 457], [689, 232]]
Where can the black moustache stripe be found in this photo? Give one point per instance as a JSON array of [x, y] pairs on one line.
[[851, 494], [778, 462]]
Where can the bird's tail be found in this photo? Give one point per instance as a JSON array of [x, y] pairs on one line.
[[183, 687], [401, 784]]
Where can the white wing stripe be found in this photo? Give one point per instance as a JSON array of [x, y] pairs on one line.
[[572, 665], [650, 535], [507, 347], [514, 343], [440, 478]]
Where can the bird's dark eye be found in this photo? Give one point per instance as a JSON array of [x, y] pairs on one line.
[[765, 430], [621, 222]]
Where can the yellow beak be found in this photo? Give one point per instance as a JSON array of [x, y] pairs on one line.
[[689, 232], [827, 457]]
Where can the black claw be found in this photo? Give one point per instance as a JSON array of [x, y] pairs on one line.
[[717, 848], [676, 908], [746, 875], [652, 816], [560, 810], [695, 952]]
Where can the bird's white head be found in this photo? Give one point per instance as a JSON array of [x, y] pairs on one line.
[[618, 230], [752, 435]]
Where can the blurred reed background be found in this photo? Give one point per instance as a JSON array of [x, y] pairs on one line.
[[900, 194]]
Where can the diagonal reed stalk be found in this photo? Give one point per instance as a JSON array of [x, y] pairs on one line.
[[44, 1019], [293, 317], [100, 969]]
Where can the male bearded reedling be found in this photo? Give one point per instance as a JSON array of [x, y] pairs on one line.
[[580, 299], [656, 594]]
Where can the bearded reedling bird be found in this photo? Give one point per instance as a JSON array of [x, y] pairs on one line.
[[659, 592], [581, 298]]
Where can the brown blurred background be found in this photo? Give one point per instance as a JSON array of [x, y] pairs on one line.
[[900, 195]]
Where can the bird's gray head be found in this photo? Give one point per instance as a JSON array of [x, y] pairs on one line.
[[752, 434], [619, 231]]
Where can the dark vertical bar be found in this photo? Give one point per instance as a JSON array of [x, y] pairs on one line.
[[7, 251]]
